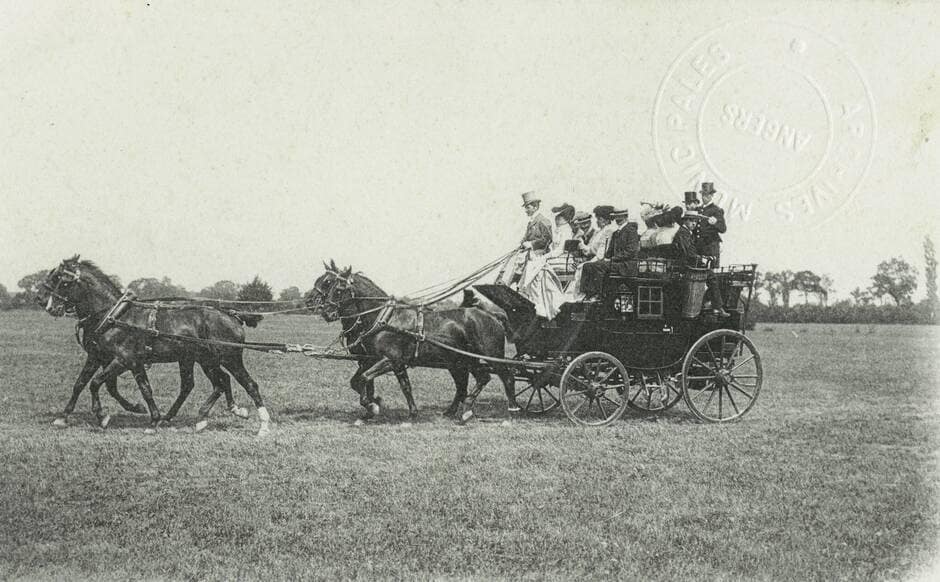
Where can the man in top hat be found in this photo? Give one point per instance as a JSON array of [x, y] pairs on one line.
[[691, 201], [710, 230], [623, 247], [684, 249], [538, 233]]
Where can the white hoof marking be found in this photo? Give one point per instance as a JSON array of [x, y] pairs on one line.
[[406, 425], [105, 421], [374, 408], [201, 425], [359, 422], [240, 411], [505, 423], [466, 416], [264, 430], [149, 431], [60, 423]]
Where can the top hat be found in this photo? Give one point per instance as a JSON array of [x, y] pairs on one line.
[[708, 188], [691, 198], [529, 197]]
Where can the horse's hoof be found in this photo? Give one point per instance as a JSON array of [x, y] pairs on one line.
[[374, 408], [265, 430], [406, 425], [150, 430], [505, 423], [60, 423], [378, 400], [449, 413], [105, 421], [467, 415], [139, 409], [359, 422], [201, 425], [239, 411]]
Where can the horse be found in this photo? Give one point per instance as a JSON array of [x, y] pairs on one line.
[[374, 327], [125, 336], [95, 359]]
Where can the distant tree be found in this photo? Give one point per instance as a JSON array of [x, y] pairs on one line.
[[290, 294], [771, 284], [861, 297], [807, 283], [30, 283], [895, 278], [4, 297], [221, 290], [930, 272], [785, 280], [255, 290], [825, 289], [151, 288]]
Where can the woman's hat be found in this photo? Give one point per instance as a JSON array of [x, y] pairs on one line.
[[603, 211], [565, 211], [620, 212], [582, 217]]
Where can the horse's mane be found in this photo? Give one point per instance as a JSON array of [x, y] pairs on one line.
[[99, 275], [365, 286]]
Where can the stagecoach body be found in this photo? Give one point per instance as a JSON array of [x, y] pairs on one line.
[[647, 341]]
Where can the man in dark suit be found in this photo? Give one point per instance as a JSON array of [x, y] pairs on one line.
[[713, 226], [685, 249], [624, 246]]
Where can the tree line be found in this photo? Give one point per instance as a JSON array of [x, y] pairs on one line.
[[887, 299], [152, 288]]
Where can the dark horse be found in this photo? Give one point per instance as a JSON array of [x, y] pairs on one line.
[[372, 324], [96, 359], [121, 331]]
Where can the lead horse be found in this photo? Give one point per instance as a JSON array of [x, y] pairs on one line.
[[386, 335], [95, 359], [125, 337]]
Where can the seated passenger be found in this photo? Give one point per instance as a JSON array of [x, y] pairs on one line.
[[584, 231], [623, 248], [594, 250]]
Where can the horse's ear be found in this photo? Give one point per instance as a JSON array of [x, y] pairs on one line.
[[325, 266], [333, 265]]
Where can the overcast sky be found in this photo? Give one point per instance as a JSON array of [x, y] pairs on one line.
[[207, 141]]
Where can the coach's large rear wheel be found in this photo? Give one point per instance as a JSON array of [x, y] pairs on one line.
[[721, 376], [594, 389], [652, 391]]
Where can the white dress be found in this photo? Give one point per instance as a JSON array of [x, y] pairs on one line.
[[539, 283]]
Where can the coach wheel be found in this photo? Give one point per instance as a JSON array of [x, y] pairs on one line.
[[721, 376], [652, 391], [534, 396], [594, 389]]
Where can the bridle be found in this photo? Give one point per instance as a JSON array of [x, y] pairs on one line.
[[325, 298], [63, 277]]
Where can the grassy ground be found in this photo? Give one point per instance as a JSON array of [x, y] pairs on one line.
[[833, 475]]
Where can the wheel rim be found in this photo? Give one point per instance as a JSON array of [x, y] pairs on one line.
[[721, 376], [652, 391], [533, 399], [594, 389]]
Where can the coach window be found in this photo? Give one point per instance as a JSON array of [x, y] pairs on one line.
[[650, 302]]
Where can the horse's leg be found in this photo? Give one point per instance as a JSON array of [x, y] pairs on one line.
[[365, 389], [460, 374], [481, 378], [143, 384], [218, 389], [106, 373], [88, 370], [137, 408], [236, 366], [405, 383], [508, 378], [103, 419], [187, 381], [225, 383]]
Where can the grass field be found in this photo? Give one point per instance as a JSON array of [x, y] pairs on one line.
[[833, 474]]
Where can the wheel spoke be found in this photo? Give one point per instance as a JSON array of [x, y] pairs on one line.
[[616, 404], [578, 407], [731, 400], [600, 406], [524, 390], [531, 396], [715, 361], [741, 390], [739, 364], [708, 367]]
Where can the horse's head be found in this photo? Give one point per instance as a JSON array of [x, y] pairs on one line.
[[332, 291], [60, 292]]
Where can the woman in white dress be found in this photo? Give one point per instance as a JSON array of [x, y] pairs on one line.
[[540, 283]]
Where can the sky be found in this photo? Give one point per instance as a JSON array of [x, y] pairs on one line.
[[209, 141]]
